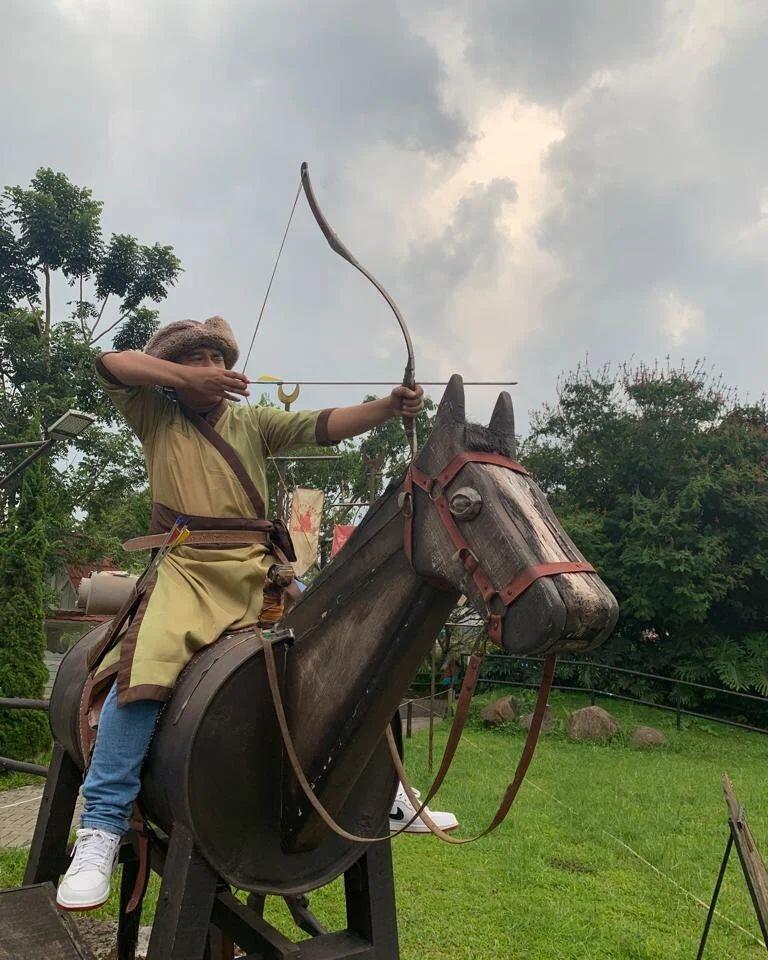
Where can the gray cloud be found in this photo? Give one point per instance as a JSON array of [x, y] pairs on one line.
[[547, 49], [644, 225], [471, 243]]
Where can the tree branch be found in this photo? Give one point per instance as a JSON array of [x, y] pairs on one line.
[[110, 327], [98, 319]]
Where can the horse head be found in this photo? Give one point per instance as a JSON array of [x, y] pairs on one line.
[[477, 523]]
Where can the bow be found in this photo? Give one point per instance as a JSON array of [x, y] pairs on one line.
[[409, 375]]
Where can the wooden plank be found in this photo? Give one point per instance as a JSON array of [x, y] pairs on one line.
[[751, 861], [250, 931], [128, 923], [54, 819], [369, 887], [31, 926], [180, 929], [338, 946]]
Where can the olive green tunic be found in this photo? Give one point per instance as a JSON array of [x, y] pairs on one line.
[[199, 593]]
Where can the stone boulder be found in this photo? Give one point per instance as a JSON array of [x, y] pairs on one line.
[[592, 724], [647, 738], [501, 711], [547, 723]]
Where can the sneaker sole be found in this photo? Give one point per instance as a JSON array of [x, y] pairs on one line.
[[80, 907], [424, 829]]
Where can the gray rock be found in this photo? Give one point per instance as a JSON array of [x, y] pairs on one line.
[[498, 712], [547, 723], [592, 724], [648, 738]]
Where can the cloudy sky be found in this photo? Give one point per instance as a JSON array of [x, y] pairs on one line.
[[535, 181]]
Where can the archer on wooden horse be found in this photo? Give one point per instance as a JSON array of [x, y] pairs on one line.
[[465, 519], [206, 459]]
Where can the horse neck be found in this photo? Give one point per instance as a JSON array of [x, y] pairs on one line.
[[362, 631]]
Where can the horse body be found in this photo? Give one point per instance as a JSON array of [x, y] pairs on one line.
[[362, 630]]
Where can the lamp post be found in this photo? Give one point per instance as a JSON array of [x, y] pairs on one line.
[[69, 426]]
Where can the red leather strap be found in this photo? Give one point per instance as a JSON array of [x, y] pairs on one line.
[[435, 487], [530, 575], [476, 456]]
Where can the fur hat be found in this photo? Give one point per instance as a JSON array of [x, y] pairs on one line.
[[181, 336]]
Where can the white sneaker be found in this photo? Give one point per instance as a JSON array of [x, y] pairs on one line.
[[85, 885], [403, 810]]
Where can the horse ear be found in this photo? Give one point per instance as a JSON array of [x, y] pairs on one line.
[[503, 421], [451, 413]]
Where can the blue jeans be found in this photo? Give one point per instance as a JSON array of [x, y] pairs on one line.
[[114, 777]]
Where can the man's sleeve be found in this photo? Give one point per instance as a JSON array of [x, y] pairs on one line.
[[283, 429], [143, 407]]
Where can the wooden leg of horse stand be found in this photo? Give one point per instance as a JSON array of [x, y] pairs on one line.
[[219, 946], [128, 923], [369, 886], [183, 915], [48, 853]]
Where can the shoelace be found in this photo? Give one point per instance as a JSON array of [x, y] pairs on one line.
[[93, 851]]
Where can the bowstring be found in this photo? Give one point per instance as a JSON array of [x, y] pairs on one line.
[[256, 418]]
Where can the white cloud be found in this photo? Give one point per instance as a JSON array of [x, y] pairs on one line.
[[676, 316]]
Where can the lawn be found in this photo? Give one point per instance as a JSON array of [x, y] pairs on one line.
[[596, 861]]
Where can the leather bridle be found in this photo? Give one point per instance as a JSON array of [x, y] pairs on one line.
[[497, 600]]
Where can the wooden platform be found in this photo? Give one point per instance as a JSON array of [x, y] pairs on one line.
[[31, 927]]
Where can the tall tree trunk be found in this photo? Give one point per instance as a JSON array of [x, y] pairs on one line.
[[47, 332]]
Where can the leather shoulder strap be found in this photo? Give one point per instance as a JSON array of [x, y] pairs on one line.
[[229, 454]]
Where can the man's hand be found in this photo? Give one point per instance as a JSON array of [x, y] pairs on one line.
[[215, 382], [405, 402]]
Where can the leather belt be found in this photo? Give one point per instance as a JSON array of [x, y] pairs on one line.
[[207, 538]]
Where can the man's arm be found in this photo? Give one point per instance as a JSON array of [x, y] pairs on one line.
[[345, 422], [137, 369]]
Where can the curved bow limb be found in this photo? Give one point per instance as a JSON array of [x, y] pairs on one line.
[[409, 375]]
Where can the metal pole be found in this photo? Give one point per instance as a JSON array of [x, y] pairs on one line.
[[432, 710], [678, 716], [715, 895], [18, 766], [45, 445], [409, 720], [21, 446]]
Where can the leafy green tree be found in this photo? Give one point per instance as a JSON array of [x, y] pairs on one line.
[[53, 229], [660, 475], [23, 550]]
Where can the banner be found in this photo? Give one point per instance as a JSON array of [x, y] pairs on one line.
[[341, 533], [304, 525]]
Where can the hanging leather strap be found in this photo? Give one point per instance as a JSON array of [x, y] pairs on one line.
[[419, 806]]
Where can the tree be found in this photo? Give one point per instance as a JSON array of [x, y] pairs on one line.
[[46, 363], [23, 549], [659, 474]]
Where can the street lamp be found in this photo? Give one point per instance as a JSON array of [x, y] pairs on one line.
[[69, 426]]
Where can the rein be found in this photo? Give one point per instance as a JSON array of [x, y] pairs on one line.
[[497, 601]]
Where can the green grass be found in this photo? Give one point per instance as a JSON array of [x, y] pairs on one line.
[[551, 884], [11, 781]]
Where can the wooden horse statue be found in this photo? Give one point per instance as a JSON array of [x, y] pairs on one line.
[[466, 519]]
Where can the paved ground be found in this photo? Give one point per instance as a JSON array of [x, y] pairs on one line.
[[18, 815]]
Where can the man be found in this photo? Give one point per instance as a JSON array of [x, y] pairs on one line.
[[206, 459]]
